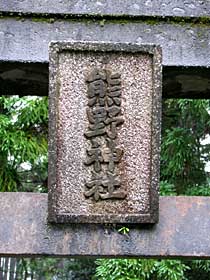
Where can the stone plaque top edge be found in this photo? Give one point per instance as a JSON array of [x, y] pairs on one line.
[[95, 46]]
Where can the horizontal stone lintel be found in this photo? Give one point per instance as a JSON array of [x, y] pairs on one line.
[[190, 8], [182, 231], [27, 41]]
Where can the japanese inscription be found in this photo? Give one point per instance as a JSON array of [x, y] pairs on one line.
[[104, 125], [104, 116]]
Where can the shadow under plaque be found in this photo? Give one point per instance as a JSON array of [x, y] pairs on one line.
[[104, 132]]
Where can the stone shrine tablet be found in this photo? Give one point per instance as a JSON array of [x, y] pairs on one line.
[[104, 132]]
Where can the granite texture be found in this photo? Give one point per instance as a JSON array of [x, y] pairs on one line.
[[183, 44], [140, 69], [189, 8]]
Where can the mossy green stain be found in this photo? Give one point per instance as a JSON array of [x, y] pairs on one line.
[[103, 20]]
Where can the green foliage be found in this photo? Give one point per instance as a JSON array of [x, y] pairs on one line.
[[201, 265], [124, 269], [124, 230], [199, 191], [171, 270], [167, 188], [134, 269], [23, 139], [185, 124], [199, 270]]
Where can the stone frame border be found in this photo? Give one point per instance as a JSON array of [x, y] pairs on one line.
[[54, 49]]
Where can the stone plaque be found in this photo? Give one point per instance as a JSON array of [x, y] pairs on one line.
[[104, 132]]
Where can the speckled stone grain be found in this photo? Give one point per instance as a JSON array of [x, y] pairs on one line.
[[139, 167]]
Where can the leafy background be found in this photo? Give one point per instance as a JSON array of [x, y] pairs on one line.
[[23, 157]]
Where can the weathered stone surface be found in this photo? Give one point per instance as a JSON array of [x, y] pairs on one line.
[[81, 144], [182, 45], [190, 8], [182, 231]]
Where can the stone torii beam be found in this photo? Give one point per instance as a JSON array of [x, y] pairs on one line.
[[182, 231]]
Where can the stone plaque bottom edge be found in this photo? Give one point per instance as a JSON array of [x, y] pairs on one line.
[[104, 219]]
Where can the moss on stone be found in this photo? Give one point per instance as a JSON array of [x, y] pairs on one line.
[[102, 20]]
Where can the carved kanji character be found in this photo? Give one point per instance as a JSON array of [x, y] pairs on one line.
[[97, 118], [104, 116], [112, 154], [97, 114], [94, 187], [95, 156], [114, 89], [112, 182], [113, 100], [113, 120], [113, 111], [96, 92], [96, 74], [112, 132], [96, 87]]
